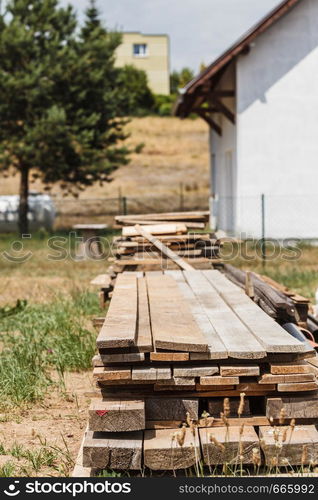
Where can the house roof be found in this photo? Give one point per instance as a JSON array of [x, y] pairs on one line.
[[202, 84]]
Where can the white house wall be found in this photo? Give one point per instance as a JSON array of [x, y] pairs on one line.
[[277, 128], [223, 151]]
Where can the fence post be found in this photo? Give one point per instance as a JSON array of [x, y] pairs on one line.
[[124, 200], [181, 204], [263, 246]]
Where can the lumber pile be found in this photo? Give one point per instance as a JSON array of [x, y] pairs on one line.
[[143, 247], [276, 300], [184, 359], [192, 220]]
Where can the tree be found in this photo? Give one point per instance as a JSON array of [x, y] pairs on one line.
[[137, 99], [179, 79], [58, 98]]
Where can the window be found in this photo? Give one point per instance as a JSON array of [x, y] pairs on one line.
[[140, 49]]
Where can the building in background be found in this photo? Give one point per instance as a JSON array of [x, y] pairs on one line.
[[260, 100], [149, 53]]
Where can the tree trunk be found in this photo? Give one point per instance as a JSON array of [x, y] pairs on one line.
[[23, 206]]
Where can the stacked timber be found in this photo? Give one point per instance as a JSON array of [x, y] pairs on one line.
[[135, 252], [192, 220], [276, 300], [184, 359]]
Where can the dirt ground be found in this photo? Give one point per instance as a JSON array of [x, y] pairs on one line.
[[175, 151], [57, 424]]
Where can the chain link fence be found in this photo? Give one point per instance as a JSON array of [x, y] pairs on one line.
[[103, 210], [267, 216]]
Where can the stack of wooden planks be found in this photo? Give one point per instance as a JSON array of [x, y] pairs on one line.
[[278, 301], [191, 347], [192, 220], [133, 251]]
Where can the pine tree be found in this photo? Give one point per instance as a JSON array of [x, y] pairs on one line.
[[58, 98]]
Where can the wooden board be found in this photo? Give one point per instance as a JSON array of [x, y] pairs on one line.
[[219, 380], [121, 451], [146, 233], [171, 409], [162, 451], [285, 368], [270, 334], [234, 446], [102, 281], [291, 451], [195, 371], [254, 386], [112, 373], [106, 359], [237, 339], [160, 264], [169, 356], [151, 373], [268, 378], [177, 381], [156, 229], [298, 407], [173, 326], [239, 371], [120, 327], [117, 415], [297, 387], [144, 335], [217, 350]]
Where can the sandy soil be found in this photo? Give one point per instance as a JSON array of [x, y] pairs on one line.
[[57, 424]]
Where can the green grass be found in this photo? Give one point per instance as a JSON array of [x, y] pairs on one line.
[[42, 338], [30, 461]]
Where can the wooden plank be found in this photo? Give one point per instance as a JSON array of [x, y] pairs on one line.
[[151, 373], [239, 371], [254, 386], [79, 470], [155, 229], [160, 263], [102, 280], [219, 380], [209, 422], [119, 329], [298, 407], [238, 340], [195, 371], [268, 378], [299, 446], [169, 356], [297, 387], [117, 415], [270, 334], [171, 409], [177, 381], [121, 451], [217, 350], [146, 233], [144, 335], [229, 445], [112, 373], [173, 325], [162, 451], [106, 359], [295, 367]]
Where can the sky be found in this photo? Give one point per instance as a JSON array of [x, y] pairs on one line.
[[199, 30]]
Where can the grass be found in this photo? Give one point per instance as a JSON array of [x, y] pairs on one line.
[[29, 462], [44, 338], [299, 273]]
